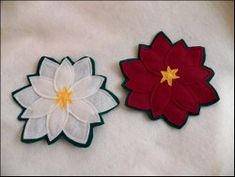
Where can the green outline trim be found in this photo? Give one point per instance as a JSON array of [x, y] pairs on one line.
[[149, 112], [62, 134]]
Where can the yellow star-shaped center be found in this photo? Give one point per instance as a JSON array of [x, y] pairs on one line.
[[63, 98], [169, 75]]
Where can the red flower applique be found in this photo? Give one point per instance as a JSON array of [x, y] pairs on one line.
[[169, 80]]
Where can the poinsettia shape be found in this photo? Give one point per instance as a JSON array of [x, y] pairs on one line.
[[64, 99], [168, 80]]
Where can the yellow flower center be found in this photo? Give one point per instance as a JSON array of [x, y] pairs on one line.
[[169, 75], [63, 98]]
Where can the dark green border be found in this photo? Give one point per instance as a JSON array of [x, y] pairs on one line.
[[62, 134], [148, 112]]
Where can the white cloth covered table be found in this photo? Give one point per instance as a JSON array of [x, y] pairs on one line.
[[128, 143]]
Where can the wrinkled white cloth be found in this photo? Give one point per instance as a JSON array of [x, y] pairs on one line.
[[128, 143]]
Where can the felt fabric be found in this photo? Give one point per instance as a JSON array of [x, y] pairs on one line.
[[179, 69], [61, 103], [128, 143]]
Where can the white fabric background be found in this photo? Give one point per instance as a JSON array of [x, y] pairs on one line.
[[128, 143]]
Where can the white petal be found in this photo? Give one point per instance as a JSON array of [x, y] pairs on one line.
[[26, 96], [35, 128], [76, 130], [84, 111], [64, 75], [102, 101], [55, 122], [43, 86], [48, 68], [38, 109], [82, 68], [86, 86]]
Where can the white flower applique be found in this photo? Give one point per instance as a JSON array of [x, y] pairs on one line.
[[65, 99]]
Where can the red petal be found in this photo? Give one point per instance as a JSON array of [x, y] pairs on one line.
[[175, 115], [161, 44], [139, 101], [141, 86], [160, 98], [196, 54], [135, 70], [152, 60], [193, 74], [204, 92], [177, 56], [184, 98]]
